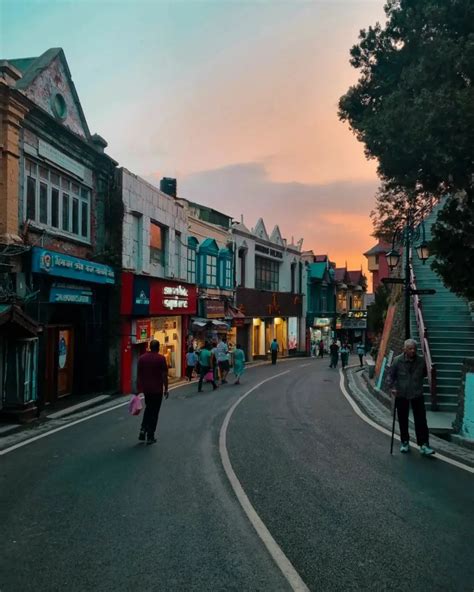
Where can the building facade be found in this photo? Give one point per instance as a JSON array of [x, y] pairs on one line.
[[156, 299], [377, 263], [321, 299], [270, 291], [351, 306], [55, 199], [210, 265]]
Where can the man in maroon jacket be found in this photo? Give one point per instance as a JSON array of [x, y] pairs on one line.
[[152, 380]]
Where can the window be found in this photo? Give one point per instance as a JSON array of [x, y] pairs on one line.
[[242, 256], [211, 270], [266, 274], [157, 244], [228, 273], [341, 301], [357, 302], [177, 252], [55, 200], [300, 278], [293, 278], [137, 242], [191, 260]]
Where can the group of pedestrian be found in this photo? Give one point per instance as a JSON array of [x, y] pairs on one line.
[[342, 350], [317, 349], [212, 363]]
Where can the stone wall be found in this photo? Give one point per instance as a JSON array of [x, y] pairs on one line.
[[464, 422]]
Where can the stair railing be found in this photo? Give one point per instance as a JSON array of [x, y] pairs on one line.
[[425, 347]]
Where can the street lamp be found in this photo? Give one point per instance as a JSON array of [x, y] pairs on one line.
[[406, 235]]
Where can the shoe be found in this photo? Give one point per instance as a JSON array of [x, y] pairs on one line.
[[223, 381], [405, 447], [141, 435], [151, 440], [214, 388], [426, 450], [199, 390]]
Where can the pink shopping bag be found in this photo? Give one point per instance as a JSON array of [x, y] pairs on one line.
[[135, 405], [209, 377]]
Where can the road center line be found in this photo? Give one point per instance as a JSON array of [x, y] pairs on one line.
[[375, 425], [282, 561]]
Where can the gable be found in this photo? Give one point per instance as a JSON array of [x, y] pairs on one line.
[[48, 83], [276, 236], [260, 230], [209, 246]]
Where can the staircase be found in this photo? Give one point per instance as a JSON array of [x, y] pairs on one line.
[[449, 327]]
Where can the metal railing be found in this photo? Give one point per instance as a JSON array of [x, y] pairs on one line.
[[425, 346]]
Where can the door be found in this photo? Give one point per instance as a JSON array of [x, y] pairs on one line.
[[65, 360]]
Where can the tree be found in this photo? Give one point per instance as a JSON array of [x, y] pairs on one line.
[[413, 106]]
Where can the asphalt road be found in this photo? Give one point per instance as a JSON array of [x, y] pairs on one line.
[[91, 509]]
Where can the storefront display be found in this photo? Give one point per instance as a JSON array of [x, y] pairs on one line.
[[158, 309]]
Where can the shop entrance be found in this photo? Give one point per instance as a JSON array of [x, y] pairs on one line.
[[167, 330], [59, 373]]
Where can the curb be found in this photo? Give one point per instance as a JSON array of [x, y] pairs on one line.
[[379, 413]]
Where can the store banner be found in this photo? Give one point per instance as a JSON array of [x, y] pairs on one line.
[[259, 303], [292, 333], [169, 297], [59, 265], [70, 294]]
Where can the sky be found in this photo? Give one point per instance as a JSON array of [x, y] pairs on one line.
[[236, 99]]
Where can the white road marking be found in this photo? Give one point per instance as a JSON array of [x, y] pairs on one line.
[[77, 421], [282, 561], [372, 423], [304, 365]]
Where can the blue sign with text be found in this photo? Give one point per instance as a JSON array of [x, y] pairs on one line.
[[59, 265], [63, 294]]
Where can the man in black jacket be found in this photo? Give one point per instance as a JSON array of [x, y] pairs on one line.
[[406, 378]]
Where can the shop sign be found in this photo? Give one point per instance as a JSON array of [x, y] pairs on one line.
[[58, 158], [259, 303], [215, 309], [354, 323], [141, 330], [321, 322], [357, 314], [60, 265], [141, 296], [172, 297], [70, 294], [292, 333], [175, 297], [268, 251]]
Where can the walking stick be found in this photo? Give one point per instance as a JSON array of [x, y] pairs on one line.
[[393, 423]]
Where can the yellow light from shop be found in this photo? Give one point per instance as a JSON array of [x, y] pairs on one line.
[[256, 322], [278, 320]]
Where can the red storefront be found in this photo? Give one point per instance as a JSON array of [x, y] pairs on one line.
[[154, 309]]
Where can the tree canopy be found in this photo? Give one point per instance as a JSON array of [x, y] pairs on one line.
[[413, 108]]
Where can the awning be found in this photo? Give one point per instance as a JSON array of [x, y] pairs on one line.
[[14, 320], [233, 313], [199, 323]]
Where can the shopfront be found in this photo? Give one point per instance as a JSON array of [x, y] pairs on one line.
[[322, 329], [352, 326], [154, 309], [268, 316], [72, 307]]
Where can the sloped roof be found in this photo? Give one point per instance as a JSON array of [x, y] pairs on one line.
[[380, 247], [32, 67], [320, 258], [317, 271], [340, 274], [355, 277], [260, 230]]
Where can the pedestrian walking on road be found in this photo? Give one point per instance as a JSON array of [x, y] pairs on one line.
[[360, 353], [222, 355], [206, 363], [321, 349], [191, 361], [274, 349], [152, 381], [406, 379], [334, 352], [344, 351], [239, 363]]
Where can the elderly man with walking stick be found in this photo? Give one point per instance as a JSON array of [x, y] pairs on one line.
[[406, 378]]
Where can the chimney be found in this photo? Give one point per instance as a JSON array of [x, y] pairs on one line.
[[168, 186]]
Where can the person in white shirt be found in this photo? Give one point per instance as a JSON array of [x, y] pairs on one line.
[[222, 355]]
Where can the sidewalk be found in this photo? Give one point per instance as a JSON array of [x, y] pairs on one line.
[[377, 406]]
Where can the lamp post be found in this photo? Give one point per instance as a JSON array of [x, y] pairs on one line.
[[406, 235]]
